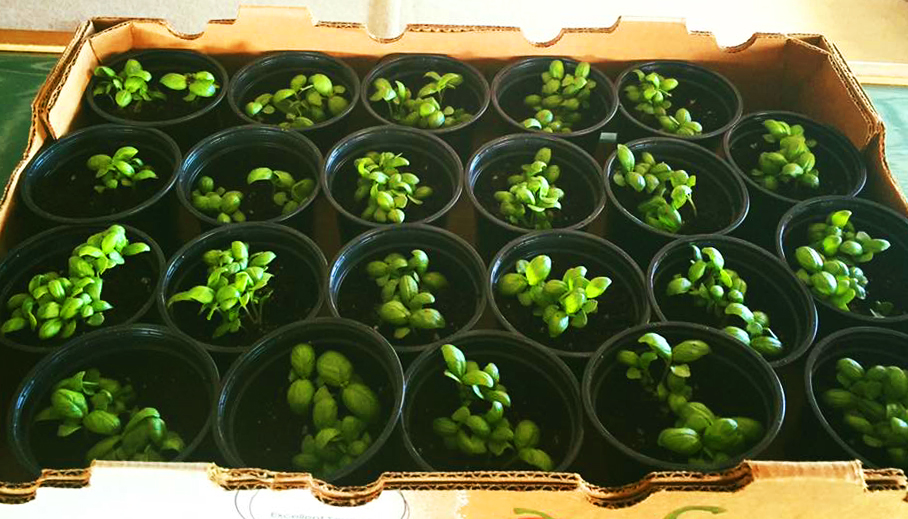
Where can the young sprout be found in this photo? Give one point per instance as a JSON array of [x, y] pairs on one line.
[[128, 87], [105, 407], [308, 101], [532, 199], [698, 434], [319, 386], [55, 303], [560, 103], [427, 109], [829, 264], [874, 406], [125, 168], [479, 426], [652, 95], [721, 291], [199, 84], [387, 188], [236, 288], [670, 190], [794, 163], [287, 194], [217, 201], [407, 289], [560, 302]]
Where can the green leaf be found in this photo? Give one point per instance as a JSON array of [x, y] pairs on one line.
[[478, 378], [454, 359], [538, 269], [657, 344], [741, 311], [174, 81], [681, 370]]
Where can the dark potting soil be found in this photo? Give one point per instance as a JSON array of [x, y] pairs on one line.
[[577, 204], [230, 169], [127, 287], [345, 185], [761, 295], [703, 105], [833, 181], [172, 387], [614, 314], [267, 434], [438, 397], [636, 418], [714, 212], [359, 298], [172, 108], [512, 104], [294, 294], [69, 189]]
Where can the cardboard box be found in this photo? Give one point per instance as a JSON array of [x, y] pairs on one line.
[[803, 73]]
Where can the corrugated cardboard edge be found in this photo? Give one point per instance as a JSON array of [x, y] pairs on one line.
[[606, 497]]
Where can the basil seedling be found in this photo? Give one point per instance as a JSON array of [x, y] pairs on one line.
[[560, 103], [873, 404], [427, 109], [698, 434], [131, 85], [560, 303], [308, 101], [829, 264], [55, 303], [407, 289], [651, 95], [319, 386], [793, 164], [479, 426], [236, 289], [105, 407], [125, 168], [671, 189], [198, 84], [386, 188], [721, 291], [532, 200], [127, 87]]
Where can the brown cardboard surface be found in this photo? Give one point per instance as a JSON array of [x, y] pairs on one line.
[[804, 73], [754, 490]]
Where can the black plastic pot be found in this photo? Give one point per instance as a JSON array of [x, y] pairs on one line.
[[50, 250], [191, 122], [731, 380], [254, 426], [622, 306], [488, 170], [842, 168], [772, 288], [273, 72], [720, 196], [542, 389], [431, 159], [57, 185], [869, 346], [522, 78], [353, 295], [173, 375], [298, 285], [472, 95], [886, 272], [229, 155], [697, 87]]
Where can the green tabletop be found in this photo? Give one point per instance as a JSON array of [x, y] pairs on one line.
[[22, 73]]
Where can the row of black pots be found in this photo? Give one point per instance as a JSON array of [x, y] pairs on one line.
[[307, 282], [253, 427]]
